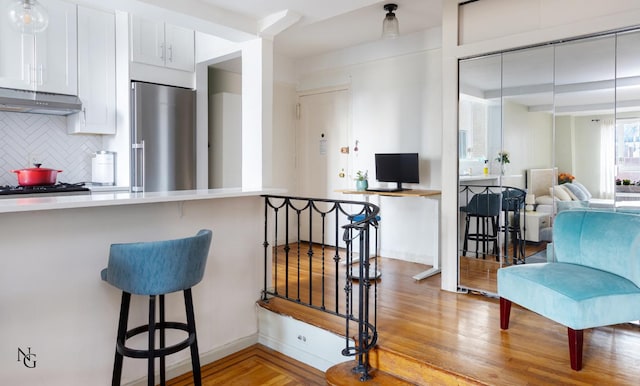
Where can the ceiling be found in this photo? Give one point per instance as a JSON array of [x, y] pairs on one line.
[[304, 28], [575, 77]]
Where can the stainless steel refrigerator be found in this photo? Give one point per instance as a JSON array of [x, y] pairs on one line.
[[163, 155]]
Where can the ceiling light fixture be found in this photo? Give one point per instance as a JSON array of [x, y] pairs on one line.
[[390, 27], [28, 16]]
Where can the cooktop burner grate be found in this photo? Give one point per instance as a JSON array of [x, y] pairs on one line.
[[61, 187]]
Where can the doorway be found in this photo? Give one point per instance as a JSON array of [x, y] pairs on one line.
[[322, 155]]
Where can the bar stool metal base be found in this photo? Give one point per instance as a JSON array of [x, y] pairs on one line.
[[152, 352]]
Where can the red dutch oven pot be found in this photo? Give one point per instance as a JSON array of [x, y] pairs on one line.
[[36, 176]]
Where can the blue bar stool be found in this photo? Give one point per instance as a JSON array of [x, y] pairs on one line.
[[152, 269], [485, 208]]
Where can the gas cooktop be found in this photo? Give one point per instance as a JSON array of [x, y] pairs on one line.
[[59, 189]]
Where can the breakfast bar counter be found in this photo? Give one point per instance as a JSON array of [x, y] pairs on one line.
[[113, 198], [58, 312]]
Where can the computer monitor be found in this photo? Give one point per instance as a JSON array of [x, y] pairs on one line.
[[397, 167]]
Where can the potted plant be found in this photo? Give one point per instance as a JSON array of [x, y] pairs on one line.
[[361, 180], [503, 159], [565, 178]]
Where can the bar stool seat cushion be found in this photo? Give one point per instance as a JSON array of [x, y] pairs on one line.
[[361, 217], [159, 267]]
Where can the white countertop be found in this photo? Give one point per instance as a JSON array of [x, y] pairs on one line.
[[97, 199], [479, 177], [482, 177]]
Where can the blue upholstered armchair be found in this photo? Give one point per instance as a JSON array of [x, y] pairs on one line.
[[592, 279]]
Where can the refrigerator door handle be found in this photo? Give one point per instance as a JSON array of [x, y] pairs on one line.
[[138, 167]]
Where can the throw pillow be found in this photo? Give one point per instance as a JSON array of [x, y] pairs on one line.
[[585, 190], [560, 193], [569, 192], [577, 192]]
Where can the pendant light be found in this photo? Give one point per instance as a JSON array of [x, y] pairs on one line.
[[390, 27], [28, 16]]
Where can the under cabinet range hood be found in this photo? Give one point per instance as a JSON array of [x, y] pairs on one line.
[[24, 101]]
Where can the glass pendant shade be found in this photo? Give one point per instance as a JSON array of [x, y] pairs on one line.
[[28, 16], [390, 26]]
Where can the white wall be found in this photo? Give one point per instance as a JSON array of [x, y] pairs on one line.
[[396, 107], [528, 137], [225, 140], [54, 301], [284, 136]]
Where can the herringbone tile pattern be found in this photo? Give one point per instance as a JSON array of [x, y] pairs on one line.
[[26, 136]]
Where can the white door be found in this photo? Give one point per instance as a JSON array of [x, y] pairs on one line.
[[323, 130]]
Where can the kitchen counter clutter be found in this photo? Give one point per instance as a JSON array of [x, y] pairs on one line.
[[113, 198]]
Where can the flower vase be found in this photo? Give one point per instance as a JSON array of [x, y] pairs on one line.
[[503, 169], [362, 185]]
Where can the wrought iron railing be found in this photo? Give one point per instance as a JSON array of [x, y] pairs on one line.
[[315, 250], [506, 204]]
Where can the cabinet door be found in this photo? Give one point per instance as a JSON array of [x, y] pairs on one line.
[[16, 55], [147, 41], [180, 48], [56, 60], [96, 73]]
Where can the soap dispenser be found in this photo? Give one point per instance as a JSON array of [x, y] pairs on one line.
[[485, 171]]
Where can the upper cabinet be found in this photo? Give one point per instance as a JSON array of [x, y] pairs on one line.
[[161, 44], [96, 73], [44, 61]]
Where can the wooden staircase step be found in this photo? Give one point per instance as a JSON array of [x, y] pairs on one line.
[[415, 371]]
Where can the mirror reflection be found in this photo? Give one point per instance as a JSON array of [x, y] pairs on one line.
[[567, 118]]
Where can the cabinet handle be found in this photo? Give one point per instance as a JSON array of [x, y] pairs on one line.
[[170, 52], [162, 51], [34, 71], [30, 72], [41, 74]]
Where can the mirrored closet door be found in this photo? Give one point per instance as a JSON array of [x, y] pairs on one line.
[[541, 130]]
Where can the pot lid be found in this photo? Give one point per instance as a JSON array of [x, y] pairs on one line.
[[36, 169]]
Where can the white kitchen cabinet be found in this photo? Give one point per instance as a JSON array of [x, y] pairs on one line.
[[96, 73], [45, 61], [161, 44], [180, 43]]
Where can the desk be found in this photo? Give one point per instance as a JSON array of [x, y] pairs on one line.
[[407, 193], [401, 193]]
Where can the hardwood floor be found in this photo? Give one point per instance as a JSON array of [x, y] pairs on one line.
[[460, 333], [481, 274], [255, 365]]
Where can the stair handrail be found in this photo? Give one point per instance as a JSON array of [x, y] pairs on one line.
[[356, 231]]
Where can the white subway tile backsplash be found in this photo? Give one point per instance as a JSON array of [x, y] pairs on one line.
[[24, 135]]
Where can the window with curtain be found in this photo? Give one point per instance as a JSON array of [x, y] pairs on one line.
[[627, 156], [607, 158]]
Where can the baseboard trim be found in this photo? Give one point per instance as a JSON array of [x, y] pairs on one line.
[[308, 344], [184, 366]]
